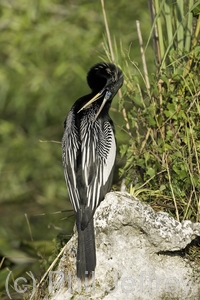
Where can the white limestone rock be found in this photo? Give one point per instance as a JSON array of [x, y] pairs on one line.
[[135, 258]]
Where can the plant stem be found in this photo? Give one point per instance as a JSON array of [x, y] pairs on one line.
[[143, 55]]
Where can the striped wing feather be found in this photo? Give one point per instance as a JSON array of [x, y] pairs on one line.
[[88, 159]]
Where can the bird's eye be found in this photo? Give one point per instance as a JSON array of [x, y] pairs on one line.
[[107, 95]]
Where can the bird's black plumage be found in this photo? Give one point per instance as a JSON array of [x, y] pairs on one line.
[[89, 151]]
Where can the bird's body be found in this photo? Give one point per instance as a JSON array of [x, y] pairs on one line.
[[89, 151]]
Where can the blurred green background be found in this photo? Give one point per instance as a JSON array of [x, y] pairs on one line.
[[46, 49]]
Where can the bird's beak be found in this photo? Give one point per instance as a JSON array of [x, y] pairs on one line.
[[106, 97], [96, 97]]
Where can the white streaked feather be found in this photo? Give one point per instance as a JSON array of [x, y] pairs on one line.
[[98, 150], [70, 150], [110, 160], [97, 145]]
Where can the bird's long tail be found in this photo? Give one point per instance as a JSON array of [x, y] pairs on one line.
[[86, 252]]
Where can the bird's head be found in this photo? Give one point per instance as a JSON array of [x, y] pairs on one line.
[[104, 79]]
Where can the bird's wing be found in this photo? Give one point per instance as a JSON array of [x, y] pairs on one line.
[[88, 160], [98, 149], [70, 147]]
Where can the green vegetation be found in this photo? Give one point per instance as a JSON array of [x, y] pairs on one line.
[[163, 154], [47, 47]]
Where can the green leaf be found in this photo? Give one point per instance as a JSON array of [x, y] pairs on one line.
[[196, 11], [150, 172]]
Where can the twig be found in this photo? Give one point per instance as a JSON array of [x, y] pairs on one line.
[[107, 31], [198, 211], [150, 179], [51, 141], [52, 265], [29, 227], [155, 32], [171, 187], [113, 60], [145, 140], [143, 55]]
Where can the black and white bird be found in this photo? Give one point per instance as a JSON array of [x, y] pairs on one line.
[[89, 152]]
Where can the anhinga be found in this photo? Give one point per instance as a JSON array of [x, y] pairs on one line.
[[89, 152]]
